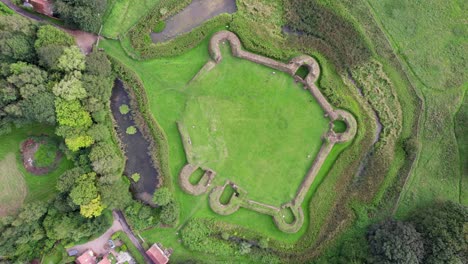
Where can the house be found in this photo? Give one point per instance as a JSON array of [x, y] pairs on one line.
[[106, 259], [87, 257], [41, 6], [157, 255]]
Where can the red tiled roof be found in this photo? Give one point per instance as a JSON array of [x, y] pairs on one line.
[[86, 258], [42, 6], [105, 260], [157, 255]]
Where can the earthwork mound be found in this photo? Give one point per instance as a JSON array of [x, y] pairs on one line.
[[40, 155]]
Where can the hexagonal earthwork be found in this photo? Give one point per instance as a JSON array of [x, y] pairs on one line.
[[238, 196]]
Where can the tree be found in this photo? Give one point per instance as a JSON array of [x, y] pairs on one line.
[[84, 14], [74, 143], [395, 242], [93, 208], [443, 226], [50, 35], [99, 132], [72, 114], [28, 78], [115, 195], [104, 158], [162, 196], [71, 60], [40, 108], [98, 64], [85, 189], [169, 213], [70, 87], [17, 38], [98, 87], [49, 56]]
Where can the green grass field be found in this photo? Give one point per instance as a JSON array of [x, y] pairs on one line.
[[123, 14], [438, 69], [13, 189], [256, 128], [165, 82], [37, 187]]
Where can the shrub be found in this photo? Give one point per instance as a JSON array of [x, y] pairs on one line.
[[135, 177], [124, 109], [163, 196], [170, 213], [160, 26], [123, 247], [225, 235], [45, 155], [263, 243], [131, 130]]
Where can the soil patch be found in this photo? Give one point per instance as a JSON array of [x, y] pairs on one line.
[[193, 16], [28, 149], [138, 160]]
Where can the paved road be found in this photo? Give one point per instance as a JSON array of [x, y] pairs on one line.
[[126, 228], [84, 40]]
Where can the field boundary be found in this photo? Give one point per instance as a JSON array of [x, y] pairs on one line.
[[239, 197]]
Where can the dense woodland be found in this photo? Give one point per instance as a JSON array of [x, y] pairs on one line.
[[44, 78]]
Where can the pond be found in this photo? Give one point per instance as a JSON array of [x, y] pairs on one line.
[[135, 146], [195, 14]]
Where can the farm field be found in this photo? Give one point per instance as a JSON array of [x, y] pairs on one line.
[[170, 99], [31, 187], [438, 70], [123, 14]]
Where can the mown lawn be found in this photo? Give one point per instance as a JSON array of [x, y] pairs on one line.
[[165, 82], [39, 188], [253, 126], [123, 14], [430, 40]]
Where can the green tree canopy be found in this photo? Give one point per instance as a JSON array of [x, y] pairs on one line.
[[72, 114], [71, 60], [70, 87], [395, 242], [444, 228], [162, 196], [50, 35], [84, 190]]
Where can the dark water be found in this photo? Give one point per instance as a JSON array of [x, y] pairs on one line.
[[195, 14], [135, 146]]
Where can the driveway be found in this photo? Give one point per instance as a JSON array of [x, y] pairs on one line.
[[98, 244]]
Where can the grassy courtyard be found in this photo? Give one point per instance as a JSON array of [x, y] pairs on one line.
[[123, 14], [23, 185], [210, 108], [253, 126]]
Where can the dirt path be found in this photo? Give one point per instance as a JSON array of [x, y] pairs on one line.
[[193, 16], [84, 40]]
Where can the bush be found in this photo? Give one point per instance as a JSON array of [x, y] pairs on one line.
[[225, 235], [45, 154], [170, 213], [160, 26], [131, 130], [124, 109], [163, 196]]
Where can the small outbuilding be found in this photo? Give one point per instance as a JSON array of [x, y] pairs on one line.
[[157, 255]]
